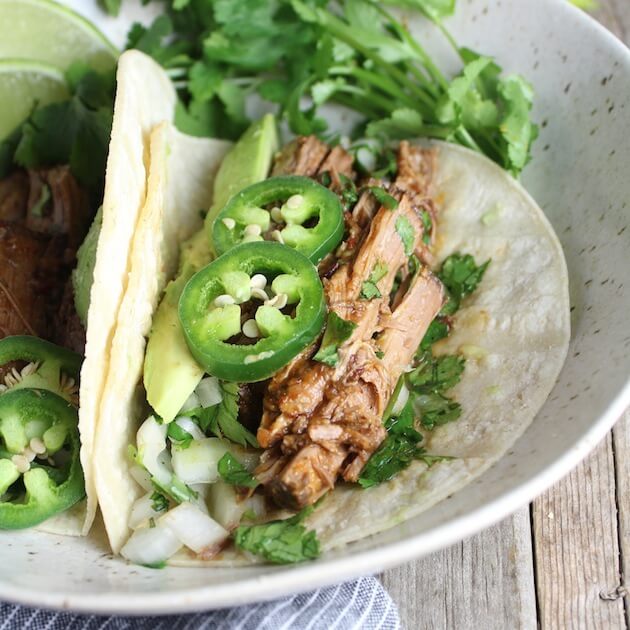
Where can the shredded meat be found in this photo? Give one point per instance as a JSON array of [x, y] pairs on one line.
[[69, 331], [57, 205], [302, 156], [44, 216], [250, 403], [22, 302], [310, 157], [14, 197], [321, 422]]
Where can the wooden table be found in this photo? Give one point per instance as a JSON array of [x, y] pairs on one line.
[[559, 563]]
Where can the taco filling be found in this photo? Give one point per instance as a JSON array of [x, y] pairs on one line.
[[311, 343], [313, 330]]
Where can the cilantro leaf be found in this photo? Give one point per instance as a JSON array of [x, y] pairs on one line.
[[400, 448], [402, 123], [280, 542], [383, 197], [234, 473], [176, 489], [433, 9], [159, 502], [436, 374], [179, 436], [369, 290], [458, 94], [407, 234], [337, 331], [438, 329], [427, 384], [111, 7], [349, 194], [460, 275], [516, 128], [222, 419]]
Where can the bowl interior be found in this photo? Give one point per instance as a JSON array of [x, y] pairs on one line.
[[579, 176]]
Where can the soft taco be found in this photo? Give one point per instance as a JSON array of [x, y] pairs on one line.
[[340, 348]]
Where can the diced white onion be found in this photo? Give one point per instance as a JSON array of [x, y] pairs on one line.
[[256, 504], [198, 462], [142, 477], [401, 401], [192, 402], [209, 392], [227, 508], [193, 528], [151, 441], [190, 427], [224, 506], [142, 511], [151, 545], [248, 457]]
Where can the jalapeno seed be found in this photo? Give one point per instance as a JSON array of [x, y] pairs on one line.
[[223, 300], [258, 281], [303, 203], [250, 329]]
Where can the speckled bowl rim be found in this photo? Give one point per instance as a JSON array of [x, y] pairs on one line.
[[325, 572]]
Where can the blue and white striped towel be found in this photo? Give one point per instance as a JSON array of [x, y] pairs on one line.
[[361, 605]]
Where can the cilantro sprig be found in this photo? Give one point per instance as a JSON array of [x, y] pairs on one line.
[[351, 52], [369, 288], [460, 275], [222, 419], [280, 542], [337, 331], [398, 451], [234, 473]]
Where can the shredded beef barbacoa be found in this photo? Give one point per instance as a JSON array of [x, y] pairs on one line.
[[44, 216], [319, 422]]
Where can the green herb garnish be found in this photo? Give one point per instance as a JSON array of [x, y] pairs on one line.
[[179, 436], [280, 542], [222, 419], [400, 448], [407, 234], [369, 290], [234, 473], [337, 331], [354, 53], [159, 502], [460, 275], [383, 197]]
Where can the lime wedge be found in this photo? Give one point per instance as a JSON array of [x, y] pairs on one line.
[[43, 30], [23, 84]]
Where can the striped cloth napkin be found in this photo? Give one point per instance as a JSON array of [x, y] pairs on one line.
[[362, 605]]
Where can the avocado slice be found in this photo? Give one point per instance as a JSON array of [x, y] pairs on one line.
[[83, 274], [248, 162], [170, 372]]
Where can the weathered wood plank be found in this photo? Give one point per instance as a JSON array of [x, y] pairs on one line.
[[576, 548], [483, 582], [621, 447]]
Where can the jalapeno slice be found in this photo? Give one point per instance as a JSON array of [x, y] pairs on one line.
[[249, 312], [48, 366], [40, 471], [292, 210]]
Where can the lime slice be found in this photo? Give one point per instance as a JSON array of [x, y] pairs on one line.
[[43, 30], [23, 84]]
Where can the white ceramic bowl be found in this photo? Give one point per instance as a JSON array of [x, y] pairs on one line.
[[581, 177]]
